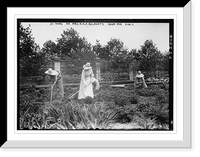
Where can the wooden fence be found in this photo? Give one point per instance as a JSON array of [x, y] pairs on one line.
[[71, 76]]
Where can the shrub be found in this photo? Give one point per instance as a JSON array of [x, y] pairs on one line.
[[162, 96], [122, 100], [71, 115], [125, 97], [147, 91], [148, 123], [88, 100], [158, 111], [124, 114], [151, 91], [105, 95], [29, 94], [121, 97]]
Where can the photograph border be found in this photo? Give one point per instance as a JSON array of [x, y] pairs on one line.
[[186, 143], [137, 21]]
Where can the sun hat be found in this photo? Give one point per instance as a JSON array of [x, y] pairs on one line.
[[139, 74], [51, 72], [87, 66]]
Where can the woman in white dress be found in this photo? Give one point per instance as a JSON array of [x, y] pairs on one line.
[[86, 86]]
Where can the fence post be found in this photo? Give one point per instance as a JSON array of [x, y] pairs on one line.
[[57, 63], [98, 71], [133, 67]]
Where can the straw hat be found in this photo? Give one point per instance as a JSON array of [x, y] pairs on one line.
[[87, 66], [51, 72], [139, 74]]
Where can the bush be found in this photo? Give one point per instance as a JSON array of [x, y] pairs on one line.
[[121, 97], [158, 111], [147, 91], [88, 100], [162, 96], [29, 95], [70, 116], [151, 91], [105, 95]]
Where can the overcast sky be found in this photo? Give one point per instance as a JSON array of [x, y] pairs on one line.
[[133, 35]]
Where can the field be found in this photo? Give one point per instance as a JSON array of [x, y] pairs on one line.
[[111, 109]]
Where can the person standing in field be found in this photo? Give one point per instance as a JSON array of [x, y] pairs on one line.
[[86, 84], [57, 90], [139, 80]]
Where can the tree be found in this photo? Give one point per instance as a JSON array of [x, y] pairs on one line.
[[149, 56], [75, 49], [115, 53], [101, 51], [134, 54], [50, 49], [31, 59], [71, 43], [165, 61]]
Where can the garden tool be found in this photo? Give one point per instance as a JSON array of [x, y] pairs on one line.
[[77, 92], [51, 92], [82, 89]]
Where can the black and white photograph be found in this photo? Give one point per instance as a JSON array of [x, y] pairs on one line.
[[95, 74]]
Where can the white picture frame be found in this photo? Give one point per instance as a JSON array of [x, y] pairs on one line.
[[180, 138]]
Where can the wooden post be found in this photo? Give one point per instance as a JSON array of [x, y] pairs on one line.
[[133, 67], [57, 64], [98, 71]]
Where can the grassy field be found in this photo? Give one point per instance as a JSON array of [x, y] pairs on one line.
[[111, 109]]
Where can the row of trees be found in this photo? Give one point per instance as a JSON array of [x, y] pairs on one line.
[[114, 56]]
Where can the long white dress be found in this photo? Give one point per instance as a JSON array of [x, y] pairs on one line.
[[86, 86]]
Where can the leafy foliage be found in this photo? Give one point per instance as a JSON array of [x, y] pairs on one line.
[[147, 92], [31, 58], [109, 106], [59, 115], [149, 56], [121, 97], [76, 50]]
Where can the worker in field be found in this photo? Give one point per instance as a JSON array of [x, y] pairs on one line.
[[87, 82], [139, 80], [57, 90]]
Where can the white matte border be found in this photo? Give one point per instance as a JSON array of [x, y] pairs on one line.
[[175, 13]]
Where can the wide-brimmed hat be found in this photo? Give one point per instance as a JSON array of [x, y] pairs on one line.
[[51, 72], [139, 74], [87, 66]]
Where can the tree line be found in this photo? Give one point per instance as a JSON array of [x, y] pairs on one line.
[[76, 50]]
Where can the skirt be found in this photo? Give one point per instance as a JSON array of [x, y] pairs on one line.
[[58, 90]]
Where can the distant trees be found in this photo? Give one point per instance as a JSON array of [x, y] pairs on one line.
[[31, 59], [150, 57], [73, 48], [115, 56], [50, 49]]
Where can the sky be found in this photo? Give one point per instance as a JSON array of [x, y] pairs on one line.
[[133, 35]]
